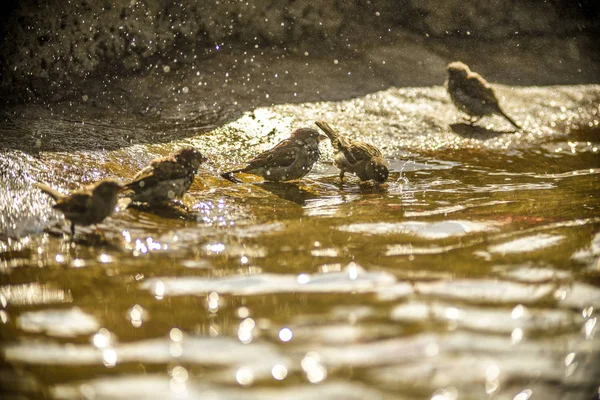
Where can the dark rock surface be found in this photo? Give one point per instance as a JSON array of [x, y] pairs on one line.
[[51, 48]]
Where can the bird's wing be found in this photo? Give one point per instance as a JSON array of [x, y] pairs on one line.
[[478, 88], [282, 155], [355, 151], [157, 171], [75, 203]]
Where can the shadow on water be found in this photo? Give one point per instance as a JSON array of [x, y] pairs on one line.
[[290, 191], [168, 211], [469, 131]]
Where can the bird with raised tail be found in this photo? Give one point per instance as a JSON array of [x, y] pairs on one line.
[[88, 206], [357, 157], [291, 159], [472, 94], [166, 179]]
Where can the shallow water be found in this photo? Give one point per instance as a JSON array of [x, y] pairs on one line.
[[473, 273]]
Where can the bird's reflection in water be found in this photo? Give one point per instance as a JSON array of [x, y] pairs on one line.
[[469, 131], [167, 210], [85, 236], [289, 191], [371, 187]]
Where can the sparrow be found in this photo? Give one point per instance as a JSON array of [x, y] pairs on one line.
[[360, 158], [289, 160], [166, 178], [471, 94], [87, 206]]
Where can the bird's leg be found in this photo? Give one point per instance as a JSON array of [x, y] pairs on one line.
[[342, 176], [72, 229]]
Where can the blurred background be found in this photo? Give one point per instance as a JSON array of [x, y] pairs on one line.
[[54, 48]]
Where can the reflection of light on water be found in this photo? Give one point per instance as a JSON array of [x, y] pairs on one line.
[[452, 313], [136, 315], [285, 334], [215, 248], [590, 328], [587, 312], [244, 260], [159, 290], [213, 330], [517, 335], [303, 279], [213, 302], [353, 270], [524, 395], [109, 357], [570, 364], [279, 372], [140, 247], [518, 312], [87, 391], [311, 364], [244, 376], [179, 374], [176, 335], [78, 263], [243, 312], [449, 393], [492, 381], [178, 388], [432, 349], [105, 258], [102, 339], [60, 258], [175, 347], [3, 316], [245, 330]]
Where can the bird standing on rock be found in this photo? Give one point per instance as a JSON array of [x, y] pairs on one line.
[[87, 206], [471, 94], [166, 178], [360, 158], [289, 160]]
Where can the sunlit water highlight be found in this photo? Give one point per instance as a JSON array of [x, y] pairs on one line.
[[472, 274]]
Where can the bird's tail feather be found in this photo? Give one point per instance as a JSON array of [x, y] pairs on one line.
[[509, 119], [55, 194]]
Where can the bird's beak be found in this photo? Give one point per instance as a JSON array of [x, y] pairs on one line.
[[322, 137]]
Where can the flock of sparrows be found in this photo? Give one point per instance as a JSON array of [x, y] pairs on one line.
[[167, 179]]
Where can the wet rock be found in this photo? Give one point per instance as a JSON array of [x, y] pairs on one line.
[[52, 46]]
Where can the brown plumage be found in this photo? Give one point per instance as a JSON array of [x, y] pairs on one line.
[[471, 94], [88, 206], [166, 178], [289, 160], [360, 158]]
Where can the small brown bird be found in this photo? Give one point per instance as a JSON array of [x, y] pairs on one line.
[[166, 178], [360, 158], [471, 94], [87, 206], [289, 160]]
